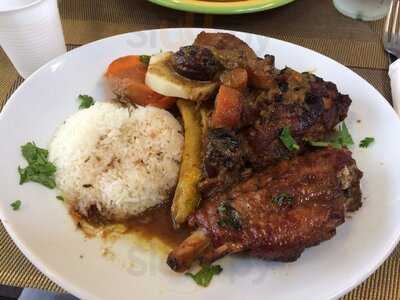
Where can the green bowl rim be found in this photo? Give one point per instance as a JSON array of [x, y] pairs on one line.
[[249, 7]]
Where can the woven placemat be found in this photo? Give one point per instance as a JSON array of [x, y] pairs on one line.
[[16, 270], [313, 24]]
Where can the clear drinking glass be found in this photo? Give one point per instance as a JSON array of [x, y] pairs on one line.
[[30, 33], [366, 10]]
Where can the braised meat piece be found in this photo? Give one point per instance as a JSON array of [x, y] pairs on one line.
[[273, 100], [233, 53], [277, 213], [197, 63], [262, 72], [223, 163], [222, 151], [305, 104]]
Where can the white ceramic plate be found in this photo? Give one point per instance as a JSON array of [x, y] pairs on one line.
[[45, 233]]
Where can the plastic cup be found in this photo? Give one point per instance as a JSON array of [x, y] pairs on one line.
[[30, 33], [366, 10]]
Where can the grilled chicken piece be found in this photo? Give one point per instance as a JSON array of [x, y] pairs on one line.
[[277, 213]]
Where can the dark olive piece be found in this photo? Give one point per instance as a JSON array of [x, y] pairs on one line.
[[196, 63]]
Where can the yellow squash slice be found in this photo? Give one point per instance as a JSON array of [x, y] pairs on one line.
[[187, 197]]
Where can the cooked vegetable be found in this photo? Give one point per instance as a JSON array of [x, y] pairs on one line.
[[163, 79], [59, 197], [366, 142], [205, 275], [16, 205], [341, 139], [187, 197], [141, 94], [86, 101], [288, 140], [126, 76], [236, 78], [39, 169], [130, 67], [205, 116], [228, 108]]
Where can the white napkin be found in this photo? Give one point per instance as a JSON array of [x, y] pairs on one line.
[[394, 74]]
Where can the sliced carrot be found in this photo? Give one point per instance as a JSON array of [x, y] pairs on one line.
[[228, 108], [141, 94], [236, 78], [127, 67], [126, 76]]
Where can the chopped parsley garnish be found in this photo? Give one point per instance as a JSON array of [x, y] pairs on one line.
[[16, 205], [229, 217], [59, 197], [204, 276], [39, 169], [86, 101], [288, 140], [366, 142], [145, 59], [342, 138], [283, 199]]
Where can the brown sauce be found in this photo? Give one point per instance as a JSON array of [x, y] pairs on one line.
[[157, 223]]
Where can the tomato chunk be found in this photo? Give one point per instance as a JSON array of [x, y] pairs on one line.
[[228, 108], [236, 78]]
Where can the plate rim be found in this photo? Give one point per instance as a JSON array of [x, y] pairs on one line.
[[53, 275], [222, 8]]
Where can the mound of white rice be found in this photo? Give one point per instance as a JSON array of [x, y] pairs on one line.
[[119, 161]]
